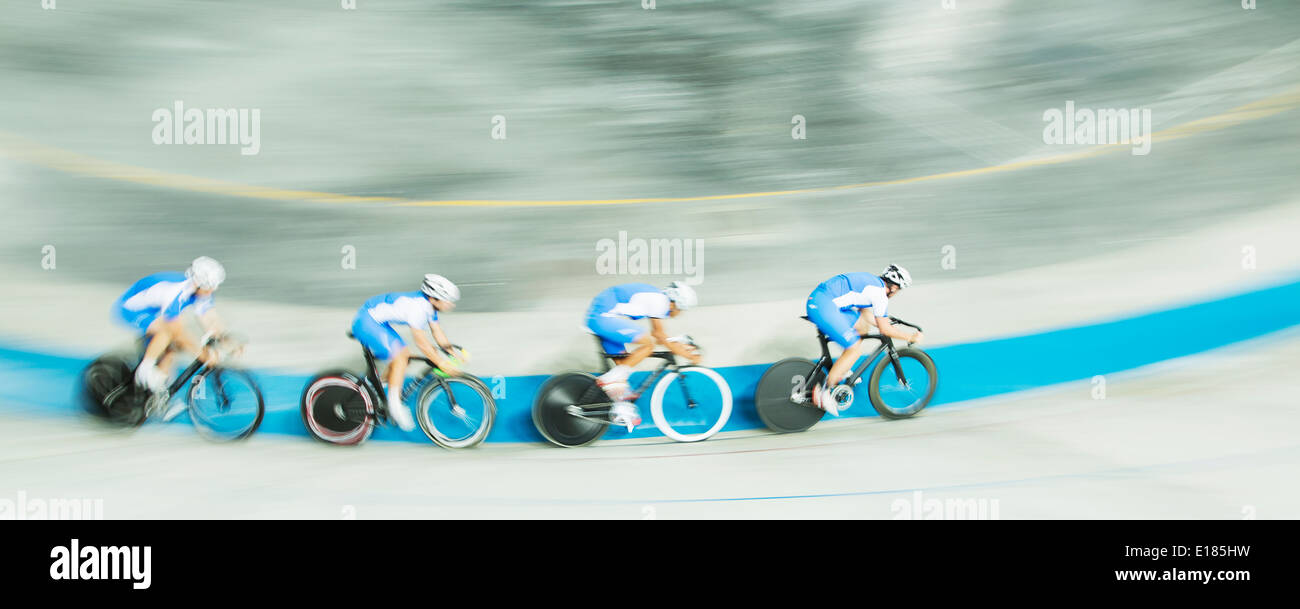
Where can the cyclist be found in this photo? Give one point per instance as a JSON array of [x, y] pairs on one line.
[[611, 318], [152, 306], [844, 307], [373, 327]]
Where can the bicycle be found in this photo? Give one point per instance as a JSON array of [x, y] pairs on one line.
[[340, 407], [224, 403], [571, 410], [783, 397]]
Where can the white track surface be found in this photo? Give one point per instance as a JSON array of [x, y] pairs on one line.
[[1211, 436]]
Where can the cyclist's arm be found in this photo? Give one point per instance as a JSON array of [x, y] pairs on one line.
[[181, 336], [212, 323], [439, 336], [866, 321], [434, 355], [661, 337], [888, 329]]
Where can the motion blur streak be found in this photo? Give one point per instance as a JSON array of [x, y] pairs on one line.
[[498, 143]]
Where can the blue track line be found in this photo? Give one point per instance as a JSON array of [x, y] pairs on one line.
[[48, 381]]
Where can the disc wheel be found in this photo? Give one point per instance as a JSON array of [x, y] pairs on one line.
[[551, 410], [778, 388]]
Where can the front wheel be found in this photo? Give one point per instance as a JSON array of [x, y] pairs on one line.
[[337, 408], [896, 398], [456, 412], [783, 397], [691, 404], [561, 401], [225, 404]]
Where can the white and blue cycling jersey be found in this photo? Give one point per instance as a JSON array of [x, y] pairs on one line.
[[159, 294], [835, 304], [373, 325], [612, 313]]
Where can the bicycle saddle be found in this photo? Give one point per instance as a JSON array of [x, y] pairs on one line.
[[820, 334]]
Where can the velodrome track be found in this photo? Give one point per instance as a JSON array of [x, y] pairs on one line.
[[925, 125], [1205, 436], [1209, 437]]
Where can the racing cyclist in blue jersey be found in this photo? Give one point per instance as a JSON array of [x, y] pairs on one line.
[[152, 306], [844, 307], [373, 327], [612, 317]]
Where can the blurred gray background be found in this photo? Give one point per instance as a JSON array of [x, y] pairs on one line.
[[607, 100]]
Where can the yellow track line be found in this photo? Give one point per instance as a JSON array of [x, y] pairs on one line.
[[23, 149]]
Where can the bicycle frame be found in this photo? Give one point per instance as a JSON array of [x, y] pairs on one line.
[[184, 377], [886, 345], [669, 365], [376, 382]]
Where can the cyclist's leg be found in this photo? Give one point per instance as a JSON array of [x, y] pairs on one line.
[[139, 321], [838, 325], [381, 340], [396, 371], [841, 367], [386, 345], [400, 413], [165, 361], [153, 368], [616, 333]]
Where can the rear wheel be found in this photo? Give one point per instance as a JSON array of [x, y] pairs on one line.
[[337, 408], [783, 396], [109, 391], [552, 412], [462, 423], [895, 399]]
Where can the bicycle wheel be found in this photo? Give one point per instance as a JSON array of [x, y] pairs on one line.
[[551, 410], [691, 404], [898, 400], [225, 404], [783, 396], [338, 409], [109, 392], [461, 424]]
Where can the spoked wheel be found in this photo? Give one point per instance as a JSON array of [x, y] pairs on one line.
[[109, 391], [338, 409], [691, 404], [456, 412], [895, 399], [552, 412], [225, 404], [783, 397]]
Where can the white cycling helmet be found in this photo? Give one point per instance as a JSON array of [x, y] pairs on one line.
[[206, 273], [440, 287], [682, 294], [897, 275]]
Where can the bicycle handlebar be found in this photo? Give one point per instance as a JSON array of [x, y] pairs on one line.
[[895, 320]]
